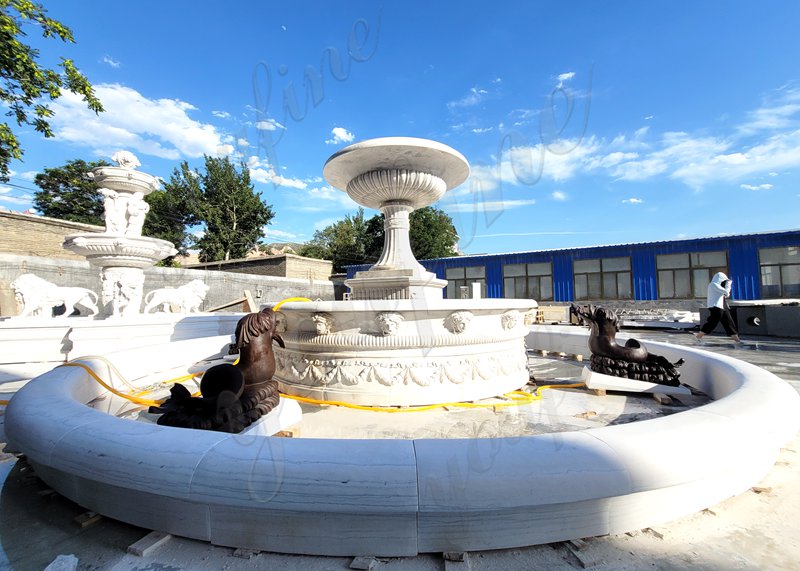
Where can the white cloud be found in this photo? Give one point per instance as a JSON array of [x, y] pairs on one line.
[[472, 98], [497, 80], [24, 200], [558, 195], [324, 223], [242, 142], [482, 130], [221, 114], [27, 175], [274, 233], [268, 176], [780, 151], [632, 201], [269, 125], [564, 77], [111, 61], [131, 121], [695, 160], [340, 135], [778, 111], [764, 186], [264, 172], [528, 164], [487, 206]]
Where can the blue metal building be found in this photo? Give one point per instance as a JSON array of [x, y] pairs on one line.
[[762, 265]]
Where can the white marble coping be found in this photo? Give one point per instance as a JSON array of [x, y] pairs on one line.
[[482, 305], [402, 497]]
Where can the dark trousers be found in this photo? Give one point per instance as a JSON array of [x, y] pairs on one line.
[[719, 315]]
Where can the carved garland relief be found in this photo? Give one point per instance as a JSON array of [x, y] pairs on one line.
[[300, 369]]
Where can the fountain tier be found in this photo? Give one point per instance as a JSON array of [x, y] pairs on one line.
[[396, 175], [396, 341], [121, 252]]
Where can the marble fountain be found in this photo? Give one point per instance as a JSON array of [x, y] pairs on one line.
[[396, 342]]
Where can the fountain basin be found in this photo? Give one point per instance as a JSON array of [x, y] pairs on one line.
[[403, 352], [118, 250], [403, 497]]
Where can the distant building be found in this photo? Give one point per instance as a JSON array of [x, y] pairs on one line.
[[763, 265], [280, 265]]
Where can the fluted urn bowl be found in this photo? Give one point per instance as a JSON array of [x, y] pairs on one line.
[[407, 170]]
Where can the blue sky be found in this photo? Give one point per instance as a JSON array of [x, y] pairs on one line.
[[584, 122]]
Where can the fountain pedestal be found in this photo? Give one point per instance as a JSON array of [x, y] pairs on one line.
[[121, 252]]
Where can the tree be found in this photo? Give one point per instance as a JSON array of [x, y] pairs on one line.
[[24, 84], [68, 193], [355, 241], [225, 201], [170, 214], [344, 242], [431, 233]]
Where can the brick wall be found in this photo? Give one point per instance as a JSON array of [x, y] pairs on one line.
[[280, 265], [28, 235]]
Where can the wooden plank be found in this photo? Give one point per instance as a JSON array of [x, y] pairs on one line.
[[149, 543], [249, 304], [88, 518]]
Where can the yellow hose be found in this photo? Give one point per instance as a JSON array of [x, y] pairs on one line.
[[518, 398], [278, 305]]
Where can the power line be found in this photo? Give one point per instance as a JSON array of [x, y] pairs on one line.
[[11, 184]]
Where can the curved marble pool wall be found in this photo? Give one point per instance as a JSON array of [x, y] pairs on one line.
[[393, 497]]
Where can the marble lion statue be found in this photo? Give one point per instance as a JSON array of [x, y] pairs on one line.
[[38, 297], [188, 297]]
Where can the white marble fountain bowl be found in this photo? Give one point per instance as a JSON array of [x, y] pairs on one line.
[[407, 169], [104, 249], [403, 352], [123, 179]]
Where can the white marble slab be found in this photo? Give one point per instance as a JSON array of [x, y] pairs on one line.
[[285, 415], [595, 380]]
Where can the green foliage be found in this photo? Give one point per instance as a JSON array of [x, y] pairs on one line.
[[344, 243], [24, 84], [355, 241], [432, 234], [170, 213], [224, 200], [68, 193]]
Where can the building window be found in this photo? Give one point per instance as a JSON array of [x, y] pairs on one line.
[[603, 278], [464, 277], [780, 271], [528, 281], [686, 276]]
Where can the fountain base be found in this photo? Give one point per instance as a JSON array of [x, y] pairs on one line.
[[403, 352]]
